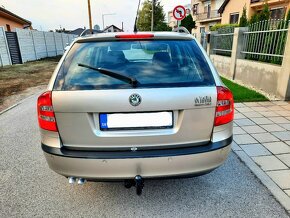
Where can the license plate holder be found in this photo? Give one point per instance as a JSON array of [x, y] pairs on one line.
[[136, 121]]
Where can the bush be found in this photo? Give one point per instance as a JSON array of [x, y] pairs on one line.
[[221, 26]]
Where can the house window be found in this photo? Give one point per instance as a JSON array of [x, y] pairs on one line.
[[195, 9], [207, 10], [202, 29], [277, 13], [8, 28], [234, 18]]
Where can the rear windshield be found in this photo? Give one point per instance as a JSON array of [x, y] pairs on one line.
[[155, 63]]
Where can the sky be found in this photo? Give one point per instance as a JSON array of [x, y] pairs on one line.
[[71, 14]]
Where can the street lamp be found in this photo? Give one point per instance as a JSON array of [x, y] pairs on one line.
[[103, 16]]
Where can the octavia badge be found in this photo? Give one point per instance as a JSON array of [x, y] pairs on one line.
[[135, 99]]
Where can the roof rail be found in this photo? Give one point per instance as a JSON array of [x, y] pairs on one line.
[[181, 29]]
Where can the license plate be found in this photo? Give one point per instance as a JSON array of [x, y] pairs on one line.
[[154, 120]]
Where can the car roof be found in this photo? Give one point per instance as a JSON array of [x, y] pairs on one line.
[[157, 35]]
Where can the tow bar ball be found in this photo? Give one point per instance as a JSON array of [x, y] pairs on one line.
[[138, 182]]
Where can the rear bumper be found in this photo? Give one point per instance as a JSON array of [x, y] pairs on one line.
[[115, 165]]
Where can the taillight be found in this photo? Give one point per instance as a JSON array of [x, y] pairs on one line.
[[135, 36], [225, 106], [46, 118]]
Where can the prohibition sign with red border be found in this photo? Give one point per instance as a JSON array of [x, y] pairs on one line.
[[179, 12]]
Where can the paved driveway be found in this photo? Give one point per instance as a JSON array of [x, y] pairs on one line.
[[28, 188], [262, 132]]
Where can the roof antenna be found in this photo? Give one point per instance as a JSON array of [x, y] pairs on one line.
[[135, 24]]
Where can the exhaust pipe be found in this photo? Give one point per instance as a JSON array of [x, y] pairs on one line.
[[71, 180], [81, 181]]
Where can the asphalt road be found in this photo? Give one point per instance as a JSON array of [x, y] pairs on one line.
[[29, 188]]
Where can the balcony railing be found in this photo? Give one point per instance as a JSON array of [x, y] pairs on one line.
[[255, 1], [208, 15]]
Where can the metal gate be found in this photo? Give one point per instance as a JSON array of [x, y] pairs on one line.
[[13, 46], [203, 40]]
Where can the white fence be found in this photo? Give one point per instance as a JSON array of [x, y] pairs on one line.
[[35, 45], [4, 51]]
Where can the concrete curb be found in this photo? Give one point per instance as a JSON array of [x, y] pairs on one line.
[[280, 196], [20, 102]]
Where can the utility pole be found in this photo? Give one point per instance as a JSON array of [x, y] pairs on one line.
[[90, 16], [152, 15]]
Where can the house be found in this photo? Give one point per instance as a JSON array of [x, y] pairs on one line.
[[205, 14], [83, 31], [112, 28], [232, 10], [171, 20], [10, 21]]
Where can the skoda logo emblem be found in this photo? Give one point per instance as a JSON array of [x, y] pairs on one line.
[[135, 99]]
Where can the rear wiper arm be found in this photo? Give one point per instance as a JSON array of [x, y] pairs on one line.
[[116, 75]]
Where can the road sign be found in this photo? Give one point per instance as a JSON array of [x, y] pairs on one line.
[[179, 12]]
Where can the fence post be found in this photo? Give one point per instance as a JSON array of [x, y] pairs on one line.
[[211, 44], [45, 43], [54, 39], [236, 49], [33, 44], [283, 88]]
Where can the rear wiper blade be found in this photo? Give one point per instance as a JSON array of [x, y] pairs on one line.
[[116, 75]]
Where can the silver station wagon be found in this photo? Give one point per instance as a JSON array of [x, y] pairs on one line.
[[135, 106]]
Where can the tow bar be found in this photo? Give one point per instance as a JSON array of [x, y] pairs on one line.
[[138, 182]]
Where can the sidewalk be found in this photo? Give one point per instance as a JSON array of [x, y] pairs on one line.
[[262, 141]]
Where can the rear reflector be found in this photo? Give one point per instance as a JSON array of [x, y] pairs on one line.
[[135, 36], [46, 118], [225, 106]]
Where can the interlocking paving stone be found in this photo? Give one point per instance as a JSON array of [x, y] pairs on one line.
[[234, 124], [238, 130], [244, 109], [275, 108], [244, 139], [288, 118], [284, 113], [254, 150], [285, 158], [269, 114], [253, 129], [280, 103], [266, 103], [279, 120], [235, 147], [251, 104], [239, 116], [265, 137], [244, 122], [272, 127], [252, 114], [287, 142], [239, 105], [259, 109], [281, 178], [285, 126], [261, 121], [270, 163], [287, 107], [277, 147], [285, 135]]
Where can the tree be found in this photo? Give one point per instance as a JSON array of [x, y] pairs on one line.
[[145, 14], [265, 13], [244, 20], [188, 23]]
